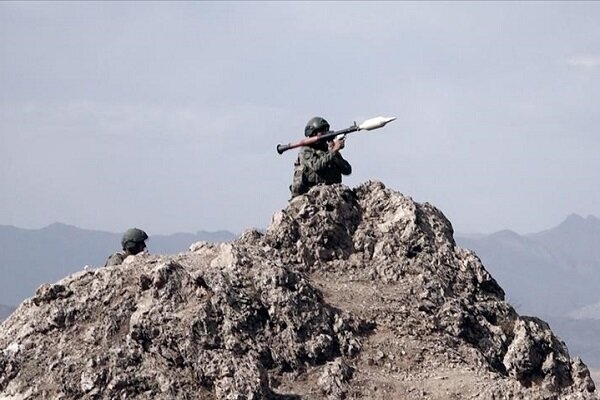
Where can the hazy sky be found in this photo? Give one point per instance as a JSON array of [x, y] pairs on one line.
[[166, 115]]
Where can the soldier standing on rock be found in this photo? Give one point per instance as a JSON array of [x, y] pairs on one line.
[[133, 242], [320, 163]]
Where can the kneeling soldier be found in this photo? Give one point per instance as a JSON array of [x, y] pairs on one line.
[[133, 242], [320, 163]]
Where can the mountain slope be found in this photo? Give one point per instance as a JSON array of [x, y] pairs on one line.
[[576, 241], [348, 294], [554, 274], [537, 280]]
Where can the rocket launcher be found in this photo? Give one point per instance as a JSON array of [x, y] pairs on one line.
[[368, 125]]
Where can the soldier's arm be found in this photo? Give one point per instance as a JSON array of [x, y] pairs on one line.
[[343, 165], [115, 259]]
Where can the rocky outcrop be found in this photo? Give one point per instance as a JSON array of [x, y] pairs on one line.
[[357, 293]]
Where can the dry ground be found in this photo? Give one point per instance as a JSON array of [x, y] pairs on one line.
[[390, 367], [395, 363]]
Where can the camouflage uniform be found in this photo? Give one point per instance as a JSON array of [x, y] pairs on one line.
[[116, 259], [318, 166]]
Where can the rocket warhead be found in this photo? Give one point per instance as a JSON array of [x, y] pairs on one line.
[[374, 123]]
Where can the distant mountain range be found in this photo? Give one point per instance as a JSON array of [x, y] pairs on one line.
[[30, 257], [554, 274]]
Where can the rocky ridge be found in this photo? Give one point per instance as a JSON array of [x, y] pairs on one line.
[[350, 293]]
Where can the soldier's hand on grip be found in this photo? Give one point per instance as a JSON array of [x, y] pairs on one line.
[[337, 145]]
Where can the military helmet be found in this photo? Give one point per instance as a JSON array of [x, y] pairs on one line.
[[132, 238], [316, 125]]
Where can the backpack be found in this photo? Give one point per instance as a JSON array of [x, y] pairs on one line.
[[299, 182]]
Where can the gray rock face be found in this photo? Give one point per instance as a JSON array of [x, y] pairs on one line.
[[348, 294]]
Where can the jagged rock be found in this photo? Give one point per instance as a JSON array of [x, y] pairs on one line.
[[357, 293], [333, 379]]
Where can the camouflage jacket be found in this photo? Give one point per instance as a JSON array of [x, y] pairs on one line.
[[315, 166], [116, 259]]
